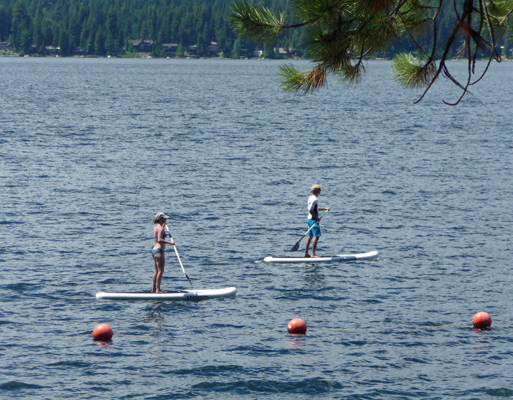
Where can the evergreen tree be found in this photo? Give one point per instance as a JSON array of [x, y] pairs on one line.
[[154, 24], [74, 30], [25, 41], [99, 42], [64, 42], [341, 33], [161, 37], [180, 50], [20, 22], [90, 42], [228, 49], [84, 35], [175, 24], [206, 36], [189, 22], [237, 49], [120, 39], [37, 33], [200, 22], [91, 29], [112, 23], [268, 51], [47, 33], [109, 43], [5, 23], [145, 33], [200, 46]]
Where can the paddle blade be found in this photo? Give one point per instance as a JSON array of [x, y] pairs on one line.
[[295, 247]]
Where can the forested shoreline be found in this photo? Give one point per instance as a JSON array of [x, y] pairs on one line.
[[161, 28]]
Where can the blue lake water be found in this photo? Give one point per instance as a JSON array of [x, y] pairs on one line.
[[91, 149]]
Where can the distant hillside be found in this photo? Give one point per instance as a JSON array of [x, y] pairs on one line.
[[101, 27], [160, 27]]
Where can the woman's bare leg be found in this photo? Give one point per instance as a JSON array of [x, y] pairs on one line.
[[160, 273], [154, 287]]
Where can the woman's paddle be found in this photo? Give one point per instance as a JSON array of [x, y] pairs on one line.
[[296, 246], [177, 256]]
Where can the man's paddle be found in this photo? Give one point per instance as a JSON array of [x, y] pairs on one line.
[[177, 256], [296, 246]]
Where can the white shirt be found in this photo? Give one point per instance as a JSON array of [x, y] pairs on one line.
[[312, 204]]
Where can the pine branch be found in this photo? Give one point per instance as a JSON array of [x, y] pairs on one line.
[[296, 81], [256, 22], [341, 32], [351, 73], [412, 72]]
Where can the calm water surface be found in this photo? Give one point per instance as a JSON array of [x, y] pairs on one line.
[[91, 149]]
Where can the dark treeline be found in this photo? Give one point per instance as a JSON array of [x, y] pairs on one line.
[[189, 27], [106, 26]]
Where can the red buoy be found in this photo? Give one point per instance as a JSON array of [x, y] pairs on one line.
[[297, 326], [482, 320], [103, 332]]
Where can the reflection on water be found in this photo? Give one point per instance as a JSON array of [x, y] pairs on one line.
[[294, 342]]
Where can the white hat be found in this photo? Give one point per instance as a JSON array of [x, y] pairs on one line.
[[160, 215]]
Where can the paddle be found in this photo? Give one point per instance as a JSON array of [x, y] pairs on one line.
[[177, 256], [296, 246]]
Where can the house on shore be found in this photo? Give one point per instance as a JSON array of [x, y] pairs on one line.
[[79, 51], [281, 51], [52, 50], [170, 47], [147, 46], [6, 46], [144, 46], [213, 48]]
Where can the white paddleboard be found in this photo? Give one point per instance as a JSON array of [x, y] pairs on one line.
[[195, 295], [371, 255]]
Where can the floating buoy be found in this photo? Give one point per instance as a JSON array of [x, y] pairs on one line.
[[297, 326], [103, 332], [482, 320]]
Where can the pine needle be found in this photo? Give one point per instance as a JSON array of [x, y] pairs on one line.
[[256, 22], [296, 81], [412, 72]]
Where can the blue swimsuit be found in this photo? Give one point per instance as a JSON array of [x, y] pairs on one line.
[[154, 252]]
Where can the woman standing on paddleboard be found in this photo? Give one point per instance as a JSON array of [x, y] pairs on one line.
[[159, 257], [313, 217]]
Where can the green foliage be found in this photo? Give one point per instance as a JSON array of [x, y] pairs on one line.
[[256, 22], [500, 10], [296, 81], [268, 52], [412, 72], [121, 22], [237, 49], [180, 52], [20, 22], [64, 42], [340, 34], [336, 34], [24, 42], [5, 23], [158, 52], [99, 42]]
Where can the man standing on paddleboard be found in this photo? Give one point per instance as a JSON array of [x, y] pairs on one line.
[[313, 218]]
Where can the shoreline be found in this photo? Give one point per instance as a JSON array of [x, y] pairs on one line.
[[211, 58]]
